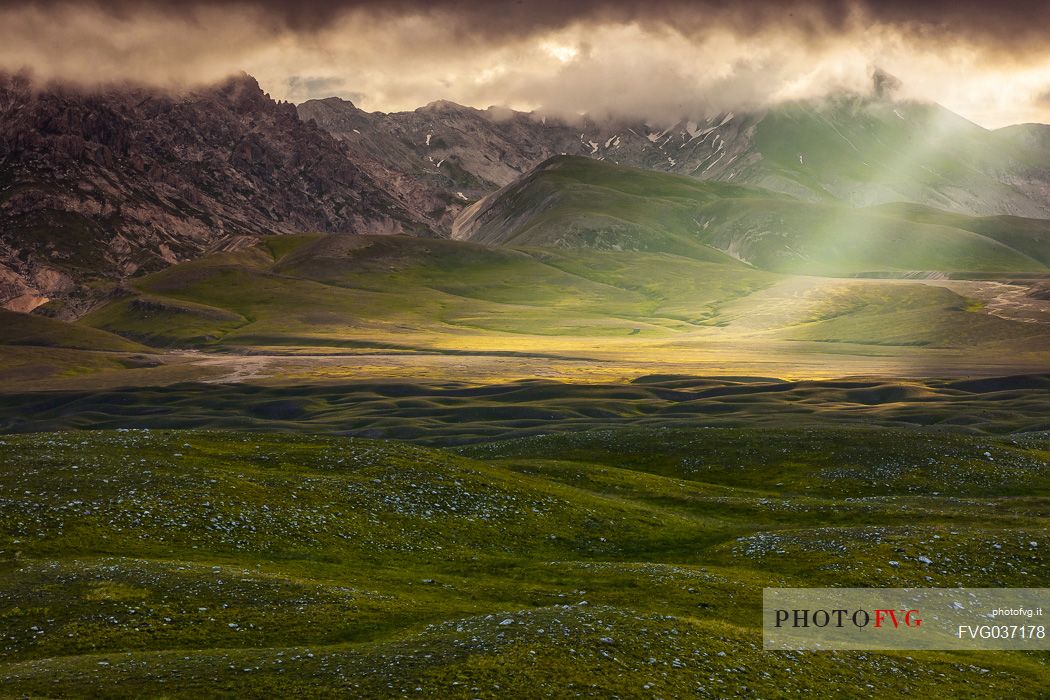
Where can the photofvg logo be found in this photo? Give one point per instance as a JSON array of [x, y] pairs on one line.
[[842, 617], [904, 618]]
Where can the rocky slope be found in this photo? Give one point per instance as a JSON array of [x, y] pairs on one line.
[[97, 187], [442, 156]]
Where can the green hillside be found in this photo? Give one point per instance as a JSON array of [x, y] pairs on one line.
[[1030, 237], [37, 348], [581, 203], [40, 331]]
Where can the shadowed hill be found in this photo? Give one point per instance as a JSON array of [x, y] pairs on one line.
[[451, 413]]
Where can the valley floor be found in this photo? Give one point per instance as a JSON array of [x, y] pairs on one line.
[[34, 369], [310, 309]]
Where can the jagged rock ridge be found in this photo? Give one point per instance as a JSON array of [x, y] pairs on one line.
[[100, 186]]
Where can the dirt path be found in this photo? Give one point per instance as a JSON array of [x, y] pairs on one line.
[[236, 368]]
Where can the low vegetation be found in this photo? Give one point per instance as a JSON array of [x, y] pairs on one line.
[[626, 563]]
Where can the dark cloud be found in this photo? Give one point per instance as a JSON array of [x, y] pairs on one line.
[[1009, 27]]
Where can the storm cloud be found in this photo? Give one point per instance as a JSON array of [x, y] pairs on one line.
[[1007, 26], [658, 59]]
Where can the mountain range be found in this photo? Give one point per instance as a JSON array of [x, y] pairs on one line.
[[852, 149], [96, 187]]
